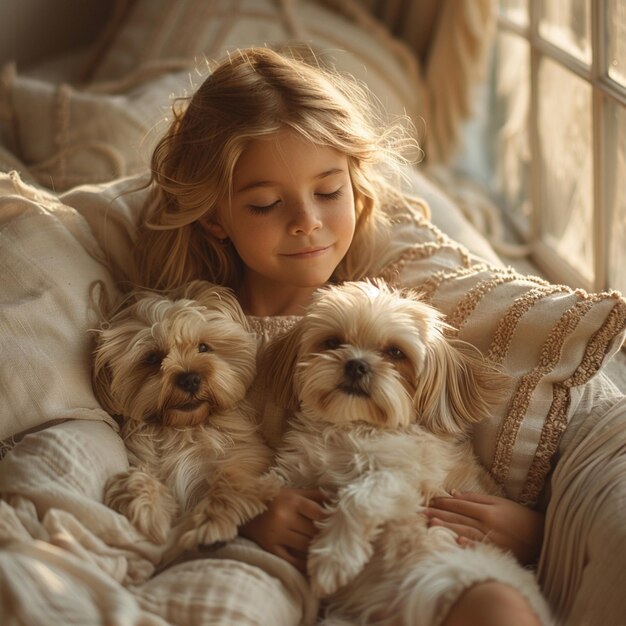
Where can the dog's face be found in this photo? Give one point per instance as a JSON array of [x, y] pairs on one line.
[[361, 350], [174, 362], [367, 352]]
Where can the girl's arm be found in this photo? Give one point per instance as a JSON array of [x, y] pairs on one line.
[[288, 525], [476, 517]]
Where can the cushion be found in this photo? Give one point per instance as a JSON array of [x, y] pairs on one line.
[[190, 29], [48, 260], [550, 338], [68, 136]]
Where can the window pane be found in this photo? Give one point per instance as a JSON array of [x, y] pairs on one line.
[[515, 10], [511, 156], [616, 136], [566, 165], [616, 18], [567, 24]]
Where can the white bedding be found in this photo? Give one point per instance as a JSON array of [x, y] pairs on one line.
[[67, 559]]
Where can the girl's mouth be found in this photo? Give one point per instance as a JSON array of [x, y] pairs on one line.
[[307, 253]]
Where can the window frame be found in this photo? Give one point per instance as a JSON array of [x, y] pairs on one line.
[[605, 92]]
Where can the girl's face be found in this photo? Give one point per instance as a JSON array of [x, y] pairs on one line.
[[291, 219]]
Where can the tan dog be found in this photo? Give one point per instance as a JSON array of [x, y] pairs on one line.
[[177, 370], [385, 402]]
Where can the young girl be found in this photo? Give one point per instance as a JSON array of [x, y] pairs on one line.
[[269, 182]]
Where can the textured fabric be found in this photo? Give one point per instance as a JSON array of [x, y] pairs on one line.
[[68, 559], [190, 29], [429, 72], [68, 136], [48, 260], [583, 563], [549, 338]]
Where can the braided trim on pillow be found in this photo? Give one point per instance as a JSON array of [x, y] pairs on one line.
[[550, 338]]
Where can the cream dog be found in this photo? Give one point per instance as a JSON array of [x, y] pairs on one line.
[[385, 399], [176, 369]]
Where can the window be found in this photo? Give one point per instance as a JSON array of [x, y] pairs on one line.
[[559, 103]]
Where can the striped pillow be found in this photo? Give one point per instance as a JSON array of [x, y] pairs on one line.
[[550, 338]]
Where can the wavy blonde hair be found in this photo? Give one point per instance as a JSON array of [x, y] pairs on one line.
[[254, 93]]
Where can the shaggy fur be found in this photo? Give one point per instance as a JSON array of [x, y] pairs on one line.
[[177, 370], [385, 401]]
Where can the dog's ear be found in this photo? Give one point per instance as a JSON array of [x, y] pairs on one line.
[[457, 387], [277, 365], [101, 380]]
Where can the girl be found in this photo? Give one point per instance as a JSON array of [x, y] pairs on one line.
[[268, 182]]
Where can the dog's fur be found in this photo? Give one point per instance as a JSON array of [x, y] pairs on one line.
[[176, 368], [385, 399]]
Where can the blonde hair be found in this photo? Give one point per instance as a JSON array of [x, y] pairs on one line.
[[254, 93]]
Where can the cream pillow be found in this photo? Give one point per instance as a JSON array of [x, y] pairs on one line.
[[68, 136], [192, 29], [48, 260], [550, 338]]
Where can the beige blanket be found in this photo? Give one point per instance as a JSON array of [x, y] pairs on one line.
[[67, 559]]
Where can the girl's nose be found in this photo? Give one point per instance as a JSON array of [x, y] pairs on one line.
[[304, 220]]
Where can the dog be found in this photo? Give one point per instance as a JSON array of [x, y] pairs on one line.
[[383, 397], [176, 367]]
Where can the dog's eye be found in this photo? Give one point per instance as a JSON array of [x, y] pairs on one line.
[[154, 358], [204, 347], [332, 343], [395, 353]]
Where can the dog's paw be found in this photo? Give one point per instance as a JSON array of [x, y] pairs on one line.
[[328, 574], [147, 503], [209, 532]]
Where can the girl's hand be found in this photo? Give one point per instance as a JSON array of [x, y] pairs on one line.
[[288, 525], [477, 517]]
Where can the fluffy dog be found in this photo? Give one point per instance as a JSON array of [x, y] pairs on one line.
[[385, 399], [176, 369]]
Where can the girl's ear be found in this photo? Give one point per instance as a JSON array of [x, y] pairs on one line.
[[213, 228]]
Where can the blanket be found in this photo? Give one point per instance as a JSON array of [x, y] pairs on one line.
[[67, 559]]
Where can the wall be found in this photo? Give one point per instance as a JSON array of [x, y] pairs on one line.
[[32, 30]]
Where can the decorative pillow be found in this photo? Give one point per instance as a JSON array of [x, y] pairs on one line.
[[48, 260], [68, 136], [191, 29], [550, 338]]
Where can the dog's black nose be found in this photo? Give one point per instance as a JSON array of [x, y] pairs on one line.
[[355, 369], [189, 381]]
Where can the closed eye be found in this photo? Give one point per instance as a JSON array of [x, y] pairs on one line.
[[333, 195], [260, 210]]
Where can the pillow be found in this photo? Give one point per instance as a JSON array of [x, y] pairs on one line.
[[190, 29], [112, 211], [68, 136], [48, 260], [549, 338]]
